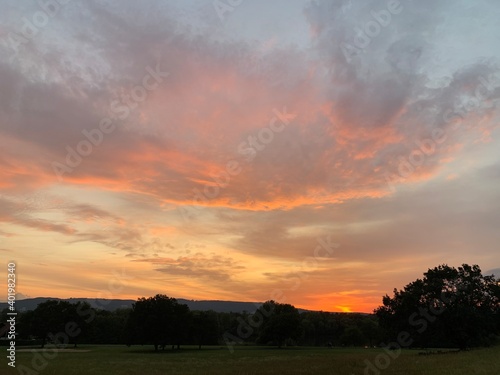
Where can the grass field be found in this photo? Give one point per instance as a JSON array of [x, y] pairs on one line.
[[120, 360]]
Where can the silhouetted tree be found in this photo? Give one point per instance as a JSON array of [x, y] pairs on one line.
[[24, 328], [204, 328], [181, 324], [320, 328], [57, 319], [108, 327], [448, 307], [370, 329], [158, 320], [281, 322]]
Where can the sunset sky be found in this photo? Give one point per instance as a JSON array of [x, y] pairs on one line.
[[206, 149]]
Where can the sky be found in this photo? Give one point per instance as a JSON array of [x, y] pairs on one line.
[[318, 153]]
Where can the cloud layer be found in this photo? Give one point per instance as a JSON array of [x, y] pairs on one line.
[[216, 151]]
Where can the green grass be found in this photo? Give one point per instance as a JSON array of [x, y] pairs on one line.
[[120, 360]]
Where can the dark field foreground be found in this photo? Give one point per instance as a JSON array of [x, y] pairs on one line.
[[120, 360]]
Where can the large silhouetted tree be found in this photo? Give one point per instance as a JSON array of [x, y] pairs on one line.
[[57, 319], [447, 307], [158, 320], [280, 323]]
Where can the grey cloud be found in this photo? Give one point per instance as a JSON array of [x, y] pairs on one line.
[[213, 267]]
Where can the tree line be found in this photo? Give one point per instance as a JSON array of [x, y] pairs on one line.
[[162, 322], [448, 307]]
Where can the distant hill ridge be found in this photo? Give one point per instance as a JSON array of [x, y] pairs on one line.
[[113, 304]]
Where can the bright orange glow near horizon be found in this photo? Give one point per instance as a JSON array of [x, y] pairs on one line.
[[255, 155]]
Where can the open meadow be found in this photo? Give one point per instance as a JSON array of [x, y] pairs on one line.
[[120, 360]]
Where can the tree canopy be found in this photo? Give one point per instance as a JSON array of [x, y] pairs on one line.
[[281, 322], [158, 320], [449, 306]]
